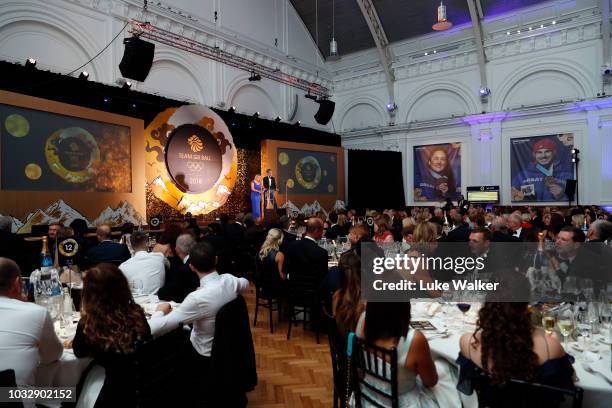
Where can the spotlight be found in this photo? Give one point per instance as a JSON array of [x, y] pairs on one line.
[[254, 77], [106, 99], [309, 96], [606, 70], [575, 151], [30, 63], [298, 123], [127, 85], [232, 109], [554, 22], [256, 115], [391, 107], [84, 75], [484, 91], [278, 119]]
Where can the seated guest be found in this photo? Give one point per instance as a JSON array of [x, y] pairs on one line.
[[305, 256], [107, 250], [12, 246], [146, 267], [54, 229], [201, 306], [460, 231], [520, 230], [167, 240], [382, 229], [271, 259], [387, 325], [515, 352], [407, 237], [343, 224], [110, 327], [180, 280], [126, 233], [347, 304], [27, 337], [334, 229], [288, 236], [599, 231]]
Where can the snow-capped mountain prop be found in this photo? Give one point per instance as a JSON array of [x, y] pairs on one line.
[[119, 216]]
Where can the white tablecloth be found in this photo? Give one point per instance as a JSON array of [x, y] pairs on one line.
[[597, 392]]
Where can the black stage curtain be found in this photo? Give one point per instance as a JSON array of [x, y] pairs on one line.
[[375, 180]]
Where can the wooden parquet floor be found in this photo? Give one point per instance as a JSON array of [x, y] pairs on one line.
[[291, 373]]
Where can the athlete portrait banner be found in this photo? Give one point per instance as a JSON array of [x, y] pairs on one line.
[[437, 172], [540, 167]]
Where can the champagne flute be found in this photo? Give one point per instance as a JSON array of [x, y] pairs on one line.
[[566, 322], [548, 322]]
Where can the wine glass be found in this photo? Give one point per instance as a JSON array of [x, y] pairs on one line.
[[464, 308], [566, 323], [548, 322], [570, 287]]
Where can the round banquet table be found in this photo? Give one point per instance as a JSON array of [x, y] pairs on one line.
[[597, 392]]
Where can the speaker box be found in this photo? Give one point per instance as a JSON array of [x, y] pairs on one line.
[[137, 58], [570, 188], [325, 112]]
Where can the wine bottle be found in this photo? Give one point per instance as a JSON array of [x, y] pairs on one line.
[[46, 261]]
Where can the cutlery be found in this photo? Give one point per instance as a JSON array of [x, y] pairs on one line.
[[591, 370]]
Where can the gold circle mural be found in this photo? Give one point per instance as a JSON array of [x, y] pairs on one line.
[[308, 172], [73, 154], [181, 141], [330, 188], [33, 171], [290, 183], [283, 158], [17, 125]]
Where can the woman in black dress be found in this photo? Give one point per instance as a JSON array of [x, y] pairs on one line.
[[110, 327]]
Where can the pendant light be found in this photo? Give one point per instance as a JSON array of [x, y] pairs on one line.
[[443, 23]]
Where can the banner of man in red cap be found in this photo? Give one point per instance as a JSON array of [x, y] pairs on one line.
[[540, 167]]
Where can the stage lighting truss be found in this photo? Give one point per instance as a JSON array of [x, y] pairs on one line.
[[149, 31]]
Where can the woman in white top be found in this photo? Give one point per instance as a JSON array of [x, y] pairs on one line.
[[387, 325]]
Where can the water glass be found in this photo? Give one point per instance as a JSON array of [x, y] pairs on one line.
[[25, 288], [137, 287]]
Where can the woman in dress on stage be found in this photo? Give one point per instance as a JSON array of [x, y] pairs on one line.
[[256, 196]]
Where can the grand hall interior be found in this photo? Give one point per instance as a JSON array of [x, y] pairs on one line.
[[305, 203]]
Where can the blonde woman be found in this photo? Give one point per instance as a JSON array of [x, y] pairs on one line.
[[271, 257], [256, 196]]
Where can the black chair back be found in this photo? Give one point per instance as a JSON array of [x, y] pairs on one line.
[[518, 393], [7, 379], [373, 362], [337, 350], [163, 367]]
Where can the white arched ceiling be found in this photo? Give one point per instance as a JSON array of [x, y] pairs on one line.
[[249, 98], [361, 115], [174, 80], [536, 87], [51, 46], [438, 104]]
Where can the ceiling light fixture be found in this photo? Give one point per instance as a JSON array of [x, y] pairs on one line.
[[254, 77], [443, 23], [333, 44], [278, 119], [30, 63], [84, 75]]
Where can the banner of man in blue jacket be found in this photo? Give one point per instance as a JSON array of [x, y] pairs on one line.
[[540, 167]]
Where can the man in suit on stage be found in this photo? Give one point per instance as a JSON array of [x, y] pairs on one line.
[[269, 183]]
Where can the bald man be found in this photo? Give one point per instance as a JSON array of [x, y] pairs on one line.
[[107, 250], [27, 337]]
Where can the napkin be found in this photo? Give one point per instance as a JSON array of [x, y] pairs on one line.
[[434, 308]]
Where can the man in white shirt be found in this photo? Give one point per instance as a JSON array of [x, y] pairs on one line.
[[200, 307], [146, 267], [27, 337]]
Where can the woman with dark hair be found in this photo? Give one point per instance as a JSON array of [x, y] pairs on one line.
[[167, 242], [437, 181], [387, 325], [506, 346], [110, 327], [382, 229], [346, 301]]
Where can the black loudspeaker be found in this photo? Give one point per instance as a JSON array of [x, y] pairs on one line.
[[325, 112], [570, 188], [137, 58]]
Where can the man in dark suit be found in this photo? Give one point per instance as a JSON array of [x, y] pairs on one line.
[[461, 231], [180, 279], [270, 188], [334, 230], [107, 250], [575, 258], [520, 231], [305, 256], [288, 236]]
